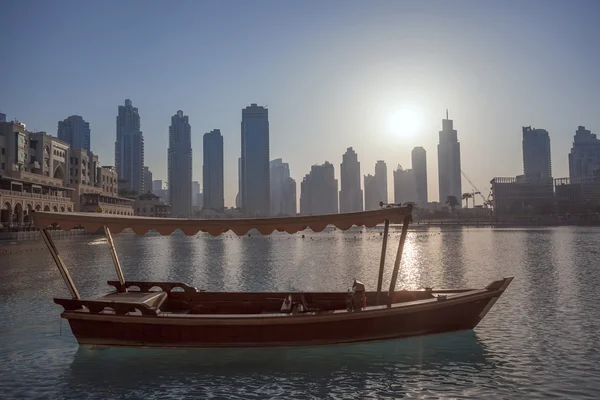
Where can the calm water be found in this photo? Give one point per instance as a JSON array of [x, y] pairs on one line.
[[540, 340]]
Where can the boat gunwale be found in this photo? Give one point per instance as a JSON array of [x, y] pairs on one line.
[[300, 318]]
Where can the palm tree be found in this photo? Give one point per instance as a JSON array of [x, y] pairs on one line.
[[466, 197], [452, 201]]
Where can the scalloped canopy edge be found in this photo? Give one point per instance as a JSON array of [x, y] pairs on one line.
[[92, 222]]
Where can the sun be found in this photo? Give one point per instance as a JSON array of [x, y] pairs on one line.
[[405, 122]]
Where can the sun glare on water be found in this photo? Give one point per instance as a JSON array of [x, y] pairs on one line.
[[405, 122]]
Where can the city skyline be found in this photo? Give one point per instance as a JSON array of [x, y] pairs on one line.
[[352, 81], [533, 141]]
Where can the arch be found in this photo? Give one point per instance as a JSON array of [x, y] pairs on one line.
[[55, 209], [69, 209], [38, 207], [59, 172], [46, 208], [29, 210], [18, 214], [6, 214], [62, 209]]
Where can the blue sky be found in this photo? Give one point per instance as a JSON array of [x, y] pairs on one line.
[[332, 74]]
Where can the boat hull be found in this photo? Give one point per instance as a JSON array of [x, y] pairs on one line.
[[459, 312]]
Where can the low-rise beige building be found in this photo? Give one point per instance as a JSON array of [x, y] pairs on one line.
[[95, 200], [21, 193], [39, 172], [108, 180], [95, 188], [83, 167], [150, 205], [47, 156], [32, 175], [522, 195]]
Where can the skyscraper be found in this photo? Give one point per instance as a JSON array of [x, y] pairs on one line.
[[238, 197], [371, 195], [255, 161], [129, 149], [584, 157], [158, 190], [537, 162], [381, 181], [376, 187], [319, 191], [157, 185], [2, 117], [419, 167], [351, 195], [283, 189], [212, 171], [147, 179], [75, 131], [405, 188], [289, 206], [449, 173], [180, 165], [196, 200]]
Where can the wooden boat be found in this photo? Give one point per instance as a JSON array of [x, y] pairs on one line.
[[179, 315]]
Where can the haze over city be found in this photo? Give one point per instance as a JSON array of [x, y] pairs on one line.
[[375, 76]]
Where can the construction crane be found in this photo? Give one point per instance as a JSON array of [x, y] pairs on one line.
[[486, 202]]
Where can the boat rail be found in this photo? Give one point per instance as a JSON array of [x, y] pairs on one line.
[[145, 287]]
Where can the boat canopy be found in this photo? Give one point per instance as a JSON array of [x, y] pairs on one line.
[[92, 222]]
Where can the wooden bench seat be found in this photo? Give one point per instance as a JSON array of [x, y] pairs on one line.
[[148, 303]]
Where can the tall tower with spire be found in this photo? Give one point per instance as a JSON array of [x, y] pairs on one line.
[[449, 175]]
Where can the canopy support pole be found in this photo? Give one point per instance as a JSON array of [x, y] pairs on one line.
[[398, 259], [382, 262], [115, 257], [60, 264]]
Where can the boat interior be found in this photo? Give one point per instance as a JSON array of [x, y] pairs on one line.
[[161, 298]]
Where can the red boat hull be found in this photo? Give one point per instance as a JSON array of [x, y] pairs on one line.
[[457, 312]]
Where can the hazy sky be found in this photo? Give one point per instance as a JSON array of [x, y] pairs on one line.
[[332, 73]]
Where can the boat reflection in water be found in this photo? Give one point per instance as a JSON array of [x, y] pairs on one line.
[[375, 363]]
